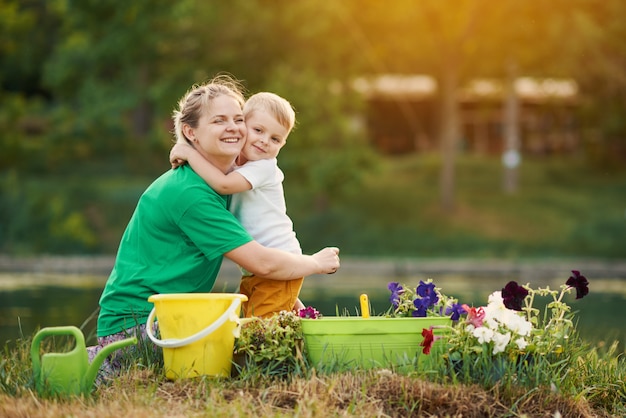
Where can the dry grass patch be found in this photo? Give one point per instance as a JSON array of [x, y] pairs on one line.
[[372, 394]]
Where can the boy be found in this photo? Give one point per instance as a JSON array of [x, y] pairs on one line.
[[258, 200]]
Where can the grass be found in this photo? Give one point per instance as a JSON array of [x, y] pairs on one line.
[[142, 393], [584, 383], [563, 208]]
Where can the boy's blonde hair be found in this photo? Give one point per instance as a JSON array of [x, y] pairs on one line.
[[195, 102], [273, 104]]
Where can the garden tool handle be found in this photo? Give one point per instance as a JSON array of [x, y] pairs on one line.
[[365, 306]]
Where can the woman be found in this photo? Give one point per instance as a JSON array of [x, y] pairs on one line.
[[181, 228]]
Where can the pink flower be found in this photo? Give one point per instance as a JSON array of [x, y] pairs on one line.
[[475, 316], [309, 313]]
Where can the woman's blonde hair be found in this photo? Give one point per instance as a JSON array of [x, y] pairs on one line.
[[192, 105], [273, 104]]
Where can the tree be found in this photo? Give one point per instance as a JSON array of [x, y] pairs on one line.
[[433, 37], [309, 62], [597, 60], [109, 61]]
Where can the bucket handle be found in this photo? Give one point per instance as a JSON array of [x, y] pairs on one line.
[[176, 343]]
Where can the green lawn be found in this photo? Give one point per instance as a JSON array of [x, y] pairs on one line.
[[562, 208]]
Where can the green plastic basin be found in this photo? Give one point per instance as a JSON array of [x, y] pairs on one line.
[[374, 342]]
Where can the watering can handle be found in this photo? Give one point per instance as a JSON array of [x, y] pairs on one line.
[[175, 343]]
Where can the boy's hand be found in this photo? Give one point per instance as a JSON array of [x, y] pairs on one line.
[[328, 260], [179, 154], [177, 163]]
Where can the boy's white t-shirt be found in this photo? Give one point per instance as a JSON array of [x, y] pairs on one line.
[[262, 210]]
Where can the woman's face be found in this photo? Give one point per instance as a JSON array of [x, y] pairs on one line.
[[221, 132]]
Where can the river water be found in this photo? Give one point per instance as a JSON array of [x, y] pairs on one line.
[[31, 300]]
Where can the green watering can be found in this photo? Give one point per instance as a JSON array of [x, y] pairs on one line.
[[68, 373]]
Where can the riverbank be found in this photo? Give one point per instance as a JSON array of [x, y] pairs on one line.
[[92, 271], [401, 267]]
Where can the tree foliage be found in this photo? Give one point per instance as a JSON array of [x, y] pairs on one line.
[[88, 86]]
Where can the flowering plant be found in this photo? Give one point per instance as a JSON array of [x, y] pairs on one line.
[[509, 324], [425, 300], [309, 313], [272, 345]]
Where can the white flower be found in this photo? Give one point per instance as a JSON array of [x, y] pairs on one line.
[[518, 324], [500, 342], [496, 314], [490, 320], [521, 343], [495, 299], [495, 309], [483, 334]]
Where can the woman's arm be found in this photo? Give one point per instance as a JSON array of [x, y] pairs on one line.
[[222, 183], [275, 264]]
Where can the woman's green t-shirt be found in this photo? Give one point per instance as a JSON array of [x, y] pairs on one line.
[[174, 243]]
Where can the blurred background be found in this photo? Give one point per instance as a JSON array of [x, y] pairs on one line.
[[429, 130], [406, 113]]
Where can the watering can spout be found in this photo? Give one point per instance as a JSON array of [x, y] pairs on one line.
[[92, 371]]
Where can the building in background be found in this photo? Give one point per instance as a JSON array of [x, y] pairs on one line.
[[403, 114]]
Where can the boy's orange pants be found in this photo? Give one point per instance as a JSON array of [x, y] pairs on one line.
[[267, 297]]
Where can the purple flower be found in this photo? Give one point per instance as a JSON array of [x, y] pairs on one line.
[[456, 310], [580, 283], [427, 290], [396, 290], [513, 295], [309, 313], [421, 307]]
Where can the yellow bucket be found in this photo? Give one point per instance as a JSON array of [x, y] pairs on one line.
[[197, 330]]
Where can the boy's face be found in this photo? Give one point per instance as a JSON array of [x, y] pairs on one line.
[[265, 136]]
